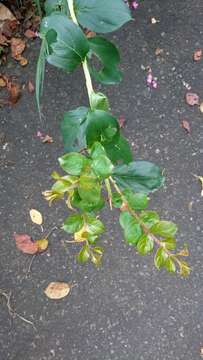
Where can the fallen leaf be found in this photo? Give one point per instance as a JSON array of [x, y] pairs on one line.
[[5, 13], [30, 34], [200, 178], [25, 244], [42, 245], [158, 51], [57, 290], [23, 61], [47, 139], [201, 107], [122, 122], [192, 99], [2, 81], [36, 217], [185, 125], [17, 47], [31, 87], [3, 40], [197, 55], [14, 93], [154, 20]]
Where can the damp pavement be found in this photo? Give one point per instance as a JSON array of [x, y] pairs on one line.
[[125, 310]]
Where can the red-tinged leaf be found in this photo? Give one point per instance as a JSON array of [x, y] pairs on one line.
[[25, 244], [31, 87], [197, 55], [192, 99], [30, 34], [122, 121], [185, 125]]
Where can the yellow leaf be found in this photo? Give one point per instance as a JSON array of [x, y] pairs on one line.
[[42, 245], [57, 290], [36, 217]]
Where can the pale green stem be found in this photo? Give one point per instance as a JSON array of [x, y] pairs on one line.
[[84, 64]]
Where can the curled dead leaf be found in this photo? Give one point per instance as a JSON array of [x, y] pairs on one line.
[[17, 47], [25, 244], [186, 126], [192, 99], [14, 93], [36, 217], [197, 55], [30, 34], [57, 290]]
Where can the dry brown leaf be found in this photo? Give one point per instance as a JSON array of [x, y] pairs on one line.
[[47, 139], [201, 107], [36, 217], [197, 55], [5, 13], [17, 48], [42, 245], [2, 81], [23, 61], [192, 99], [30, 34], [25, 244], [14, 93], [31, 87], [57, 290], [158, 51], [3, 39], [185, 125]]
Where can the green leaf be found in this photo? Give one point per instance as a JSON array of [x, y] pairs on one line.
[[40, 71], [63, 184], [170, 265], [164, 228], [149, 218], [73, 223], [86, 205], [68, 45], [73, 128], [102, 127], [119, 151], [116, 200], [73, 163], [89, 189], [139, 176], [102, 166], [94, 225], [169, 243], [84, 254], [145, 245], [132, 230], [102, 16], [99, 101], [97, 150], [137, 201], [160, 258], [51, 6], [109, 56]]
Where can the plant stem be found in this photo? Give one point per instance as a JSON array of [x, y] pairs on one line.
[[88, 79]]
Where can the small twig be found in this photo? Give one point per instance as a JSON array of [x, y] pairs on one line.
[[30, 265], [51, 231], [11, 311]]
